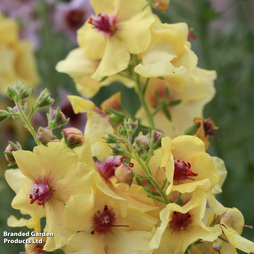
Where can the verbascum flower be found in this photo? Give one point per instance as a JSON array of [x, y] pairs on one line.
[[17, 60], [192, 101], [190, 167], [81, 68], [232, 223], [169, 55], [182, 226], [52, 175], [119, 29], [105, 226], [98, 122]]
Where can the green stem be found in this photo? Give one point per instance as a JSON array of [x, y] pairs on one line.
[[141, 94], [31, 112], [146, 171], [28, 124]]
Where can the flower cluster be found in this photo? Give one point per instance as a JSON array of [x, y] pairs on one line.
[[111, 190]]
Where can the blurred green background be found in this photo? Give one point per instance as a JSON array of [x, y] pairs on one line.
[[224, 42]]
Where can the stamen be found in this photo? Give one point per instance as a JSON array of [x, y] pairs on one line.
[[41, 193], [183, 171], [104, 221], [247, 226], [102, 23]]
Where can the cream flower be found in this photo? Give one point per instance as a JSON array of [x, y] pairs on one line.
[[232, 222], [119, 29], [105, 226], [53, 174], [190, 167], [182, 226], [81, 69], [17, 60], [192, 101]]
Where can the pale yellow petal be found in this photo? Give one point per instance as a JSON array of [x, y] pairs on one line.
[[222, 172], [135, 32], [238, 241], [95, 127], [186, 147], [77, 65], [55, 224], [92, 42], [14, 222], [82, 205], [80, 105], [13, 178], [83, 242], [115, 59]]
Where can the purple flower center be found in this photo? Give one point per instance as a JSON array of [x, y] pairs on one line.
[[102, 23], [40, 193], [183, 171], [180, 221]]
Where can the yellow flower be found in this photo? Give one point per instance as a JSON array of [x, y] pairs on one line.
[[119, 29], [182, 226], [17, 60], [52, 175], [169, 55], [97, 123], [192, 101], [232, 223], [190, 167], [107, 225], [81, 69]]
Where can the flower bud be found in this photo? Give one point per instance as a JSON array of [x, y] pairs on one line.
[[123, 174], [118, 149], [11, 94], [44, 99], [24, 92], [73, 137], [12, 147], [130, 126], [156, 139], [45, 135], [8, 153], [3, 115], [110, 138], [142, 141], [58, 116]]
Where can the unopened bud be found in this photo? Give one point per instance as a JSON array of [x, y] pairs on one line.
[[73, 137], [130, 126], [142, 141], [11, 94], [24, 92], [110, 138], [123, 174], [45, 135], [122, 131], [58, 116], [156, 139], [8, 153], [44, 99], [117, 149], [3, 115]]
